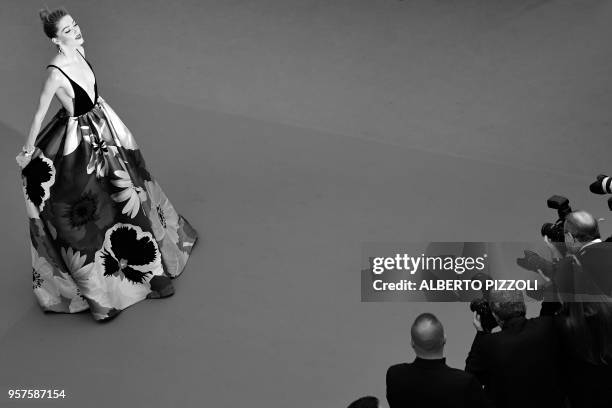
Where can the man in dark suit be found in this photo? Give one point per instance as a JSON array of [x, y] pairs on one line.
[[585, 249], [428, 381], [584, 280], [520, 365]]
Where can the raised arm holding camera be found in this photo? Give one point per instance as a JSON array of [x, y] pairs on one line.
[[519, 365], [585, 319], [580, 279]]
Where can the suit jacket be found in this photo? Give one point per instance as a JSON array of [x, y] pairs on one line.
[[593, 278], [432, 384], [587, 384], [520, 366]]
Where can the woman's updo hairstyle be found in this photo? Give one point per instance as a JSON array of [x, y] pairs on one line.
[[50, 18]]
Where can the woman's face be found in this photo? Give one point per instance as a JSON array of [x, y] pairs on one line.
[[68, 32]]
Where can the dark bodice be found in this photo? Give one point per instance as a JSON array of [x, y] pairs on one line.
[[82, 102]]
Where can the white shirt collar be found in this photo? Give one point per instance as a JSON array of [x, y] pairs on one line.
[[595, 241]]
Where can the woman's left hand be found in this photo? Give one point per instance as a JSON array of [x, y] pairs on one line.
[[23, 159]]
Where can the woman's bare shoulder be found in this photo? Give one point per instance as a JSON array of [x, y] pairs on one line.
[[54, 74], [55, 79]]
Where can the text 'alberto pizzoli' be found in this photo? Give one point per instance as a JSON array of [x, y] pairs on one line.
[[456, 285]]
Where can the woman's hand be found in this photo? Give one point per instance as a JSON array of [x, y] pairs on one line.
[[24, 156]]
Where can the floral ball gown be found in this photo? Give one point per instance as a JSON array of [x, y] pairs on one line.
[[104, 235]]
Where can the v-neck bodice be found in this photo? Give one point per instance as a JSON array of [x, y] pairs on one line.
[[82, 101]]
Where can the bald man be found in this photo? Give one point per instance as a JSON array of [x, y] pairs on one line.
[[581, 229], [583, 240], [428, 381], [588, 381]]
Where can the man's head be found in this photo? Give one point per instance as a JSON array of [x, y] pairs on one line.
[[580, 227], [506, 304], [427, 335]]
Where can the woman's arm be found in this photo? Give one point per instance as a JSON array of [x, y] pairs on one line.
[[50, 86]]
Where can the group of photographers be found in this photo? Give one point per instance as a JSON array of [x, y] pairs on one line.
[[563, 358], [560, 359]]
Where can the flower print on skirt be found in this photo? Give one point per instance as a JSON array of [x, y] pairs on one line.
[[104, 235]]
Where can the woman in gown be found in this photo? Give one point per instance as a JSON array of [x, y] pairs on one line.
[[103, 234]]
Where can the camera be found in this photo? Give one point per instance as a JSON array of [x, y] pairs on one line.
[[602, 185], [554, 231], [481, 305]]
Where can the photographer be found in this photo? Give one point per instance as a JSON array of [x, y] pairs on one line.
[[584, 280], [585, 252], [519, 365]]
